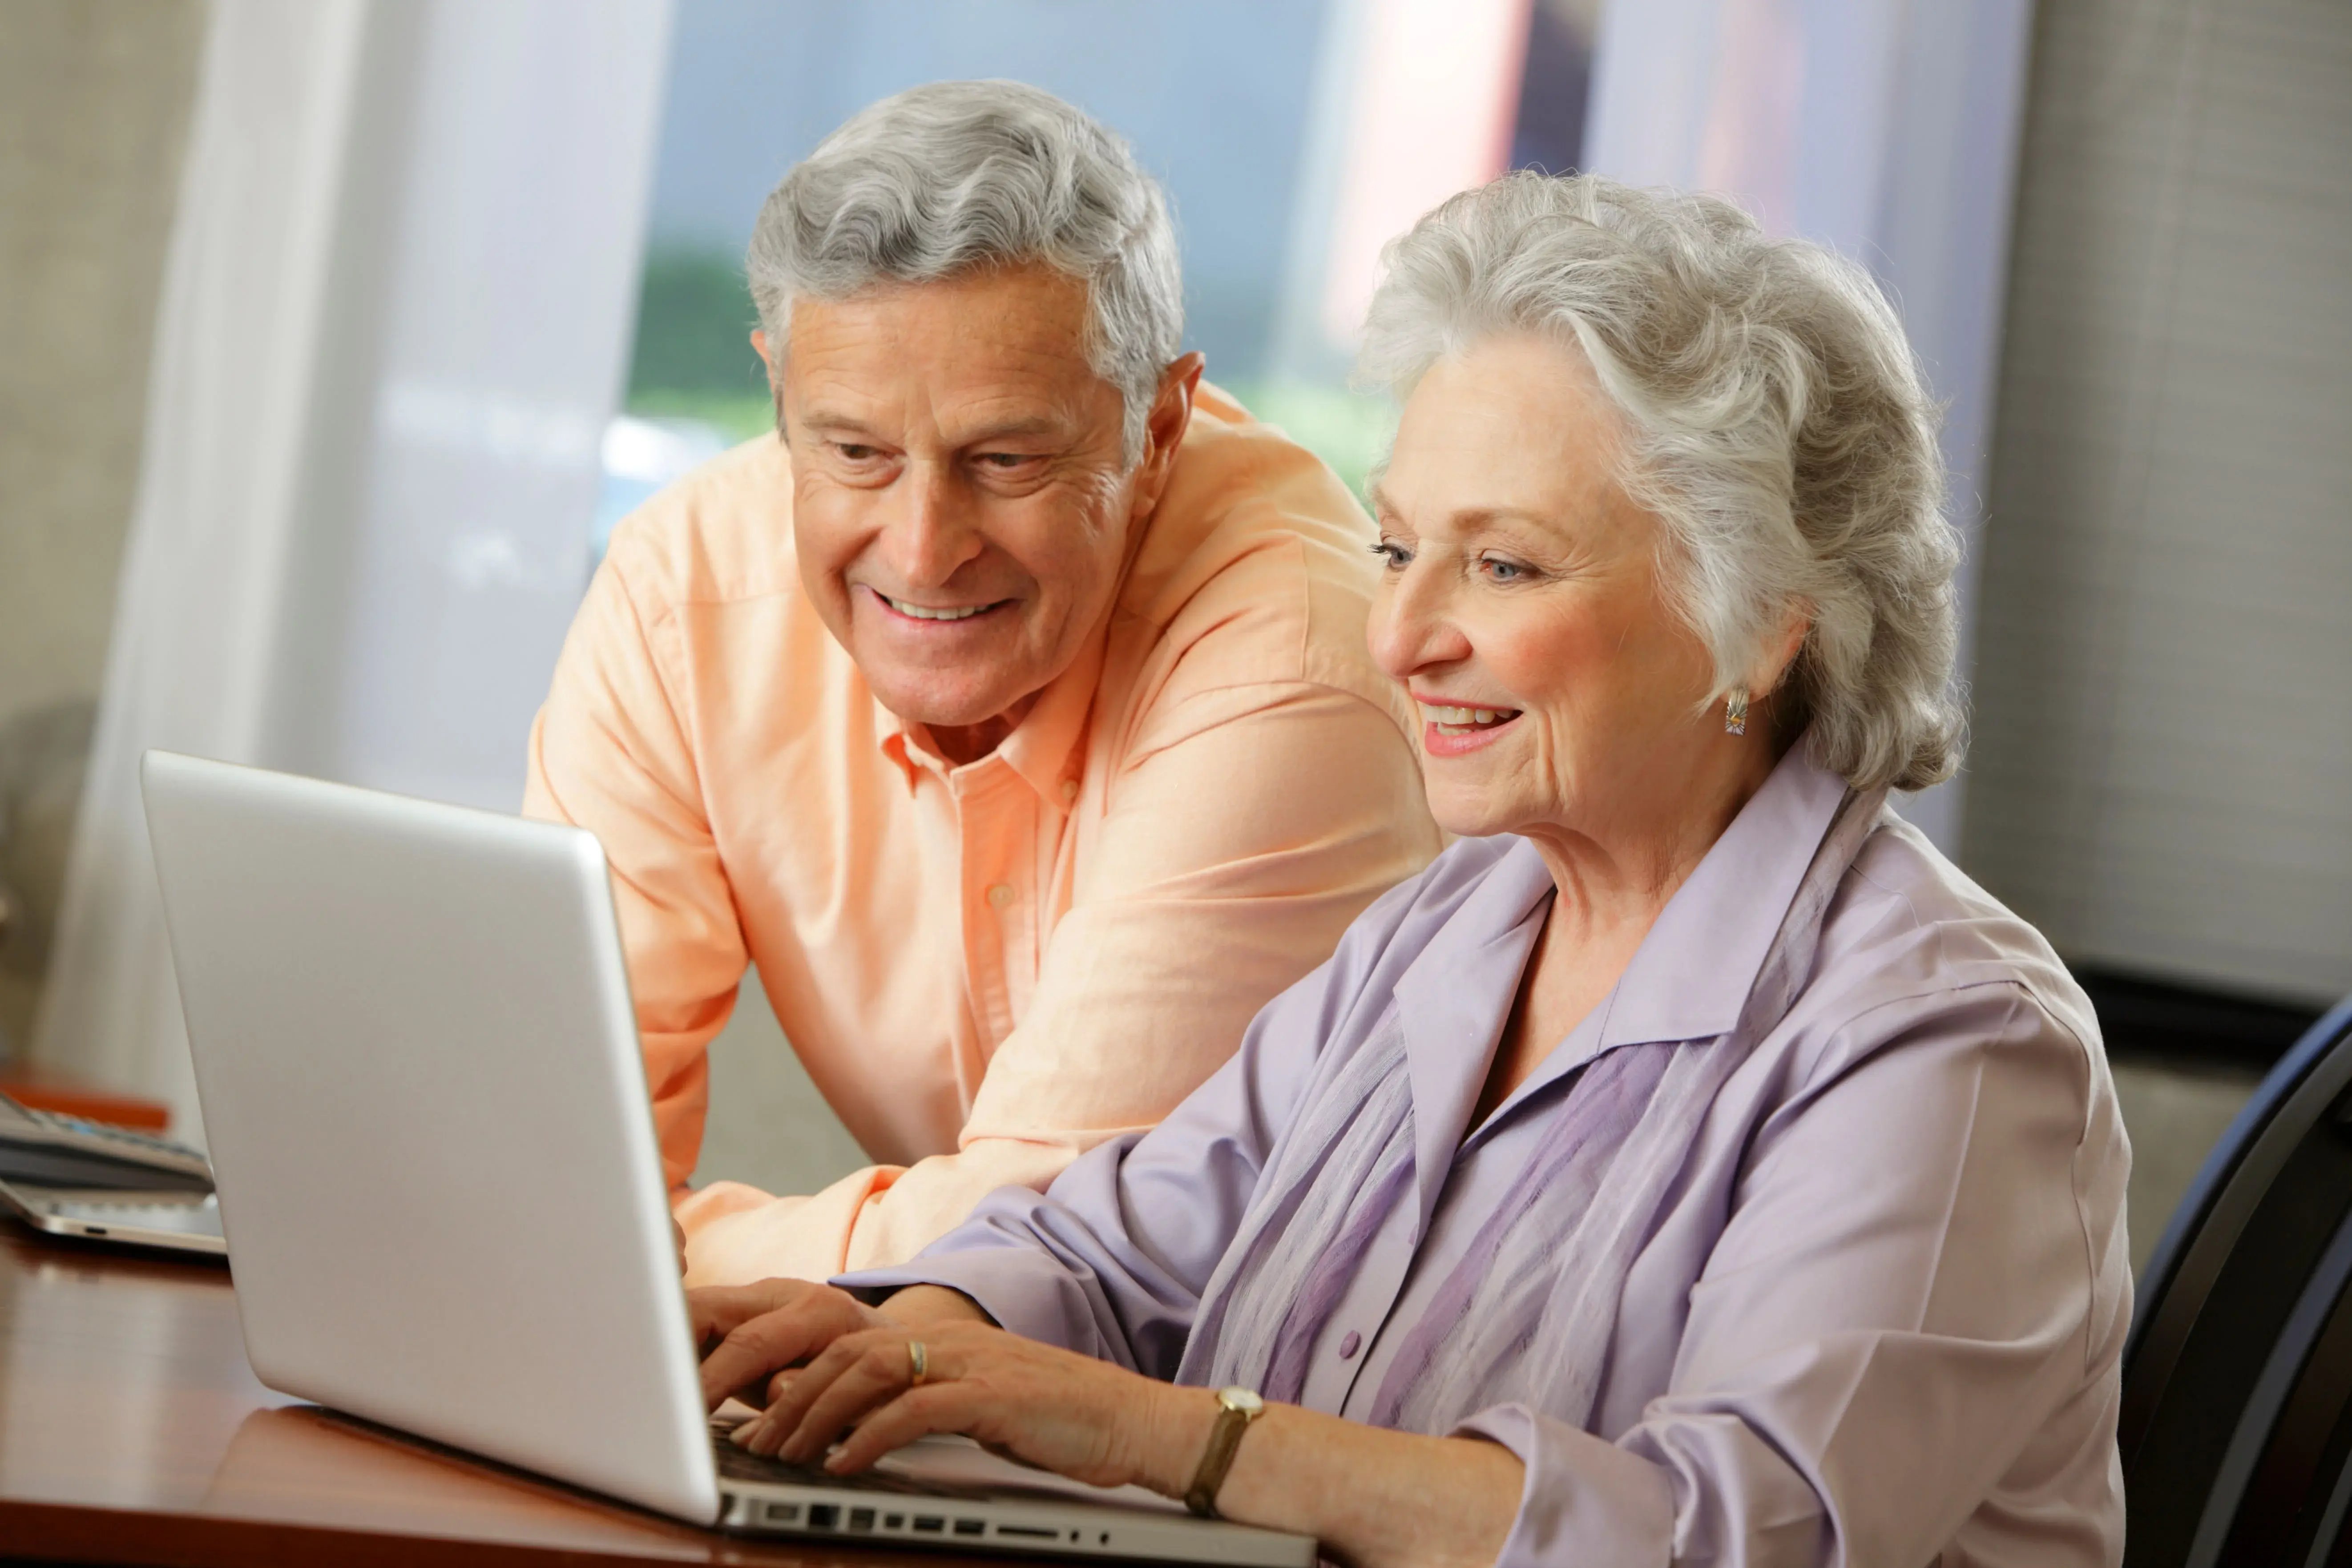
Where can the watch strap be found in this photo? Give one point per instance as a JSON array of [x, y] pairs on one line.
[[1237, 1408]]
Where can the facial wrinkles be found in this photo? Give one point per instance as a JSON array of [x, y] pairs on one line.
[[1610, 767], [1498, 463], [1069, 467], [937, 418], [937, 380]]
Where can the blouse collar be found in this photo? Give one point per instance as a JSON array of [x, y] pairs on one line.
[[1689, 980]]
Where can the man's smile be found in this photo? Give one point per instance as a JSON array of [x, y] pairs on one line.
[[912, 611]]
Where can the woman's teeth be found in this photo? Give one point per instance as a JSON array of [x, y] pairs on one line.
[[925, 612], [1470, 718]]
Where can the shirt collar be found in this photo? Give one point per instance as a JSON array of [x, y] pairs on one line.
[[1689, 980], [1039, 750], [1453, 999], [1041, 746], [890, 734]]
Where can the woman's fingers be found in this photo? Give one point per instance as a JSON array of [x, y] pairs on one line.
[[918, 1413], [757, 1347], [752, 1350], [790, 1398], [1048, 1407], [792, 1401], [715, 1310], [856, 1373]]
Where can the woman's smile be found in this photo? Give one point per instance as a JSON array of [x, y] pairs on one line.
[[1450, 730]]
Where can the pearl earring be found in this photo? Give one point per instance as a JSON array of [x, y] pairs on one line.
[[1734, 712]]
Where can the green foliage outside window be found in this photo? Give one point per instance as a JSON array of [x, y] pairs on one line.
[[694, 361]]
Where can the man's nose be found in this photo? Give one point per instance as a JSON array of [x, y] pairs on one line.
[[934, 531]]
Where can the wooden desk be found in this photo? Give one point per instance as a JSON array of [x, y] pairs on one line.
[[132, 1431]]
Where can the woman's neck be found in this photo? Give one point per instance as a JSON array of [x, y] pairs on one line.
[[1610, 887]]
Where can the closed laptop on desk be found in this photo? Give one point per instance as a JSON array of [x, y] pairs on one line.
[[437, 1169]]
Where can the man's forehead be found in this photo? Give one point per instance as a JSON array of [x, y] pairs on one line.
[[1002, 351], [1027, 320]]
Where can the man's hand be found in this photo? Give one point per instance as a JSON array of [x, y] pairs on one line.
[[749, 1334]]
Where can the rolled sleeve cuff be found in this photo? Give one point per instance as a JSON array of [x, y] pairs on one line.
[[1585, 1501], [1022, 1291]]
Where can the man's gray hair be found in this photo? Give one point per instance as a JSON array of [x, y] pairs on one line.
[[959, 176], [1776, 421]]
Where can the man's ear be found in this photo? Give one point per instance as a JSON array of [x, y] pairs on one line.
[[775, 377], [1163, 430]]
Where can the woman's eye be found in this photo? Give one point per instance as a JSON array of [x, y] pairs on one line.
[[1392, 556], [1503, 571]]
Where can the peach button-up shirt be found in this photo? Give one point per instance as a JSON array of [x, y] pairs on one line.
[[989, 969]]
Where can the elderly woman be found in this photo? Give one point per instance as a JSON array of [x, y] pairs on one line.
[[1691, 1164]]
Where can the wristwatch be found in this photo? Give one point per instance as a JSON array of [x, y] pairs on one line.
[[1237, 1408]]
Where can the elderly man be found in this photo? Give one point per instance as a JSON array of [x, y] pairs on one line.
[[1009, 707]]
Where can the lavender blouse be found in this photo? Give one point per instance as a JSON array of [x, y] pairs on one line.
[[1880, 1317]]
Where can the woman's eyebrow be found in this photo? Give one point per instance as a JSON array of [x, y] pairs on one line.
[[1490, 516], [1468, 519], [1512, 521]]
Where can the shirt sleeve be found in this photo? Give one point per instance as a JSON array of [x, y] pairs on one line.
[[1111, 1260], [608, 753], [1903, 1301], [1247, 827]]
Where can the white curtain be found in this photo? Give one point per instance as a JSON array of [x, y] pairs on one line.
[[1887, 128], [396, 312]]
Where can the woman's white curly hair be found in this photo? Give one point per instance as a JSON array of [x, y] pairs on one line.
[[1777, 422]]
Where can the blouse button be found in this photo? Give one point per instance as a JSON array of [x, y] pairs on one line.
[[1350, 1345], [1069, 789], [1001, 895]]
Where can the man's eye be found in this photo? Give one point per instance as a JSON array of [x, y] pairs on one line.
[[855, 451], [1395, 557], [1503, 571], [1006, 459]]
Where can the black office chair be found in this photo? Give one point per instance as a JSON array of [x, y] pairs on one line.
[[2236, 1423]]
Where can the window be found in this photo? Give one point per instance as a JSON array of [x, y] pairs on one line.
[[1294, 136]]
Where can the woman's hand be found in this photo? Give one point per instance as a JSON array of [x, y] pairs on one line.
[[1053, 1408], [749, 1334], [1374, 1498]]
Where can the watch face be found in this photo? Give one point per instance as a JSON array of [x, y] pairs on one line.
[[1244, 1400]]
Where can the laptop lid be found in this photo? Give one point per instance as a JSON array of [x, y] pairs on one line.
[[419, 1073]]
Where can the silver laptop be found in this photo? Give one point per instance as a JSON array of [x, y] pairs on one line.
[[437, 1175], [70, 1176], [174, 1222]]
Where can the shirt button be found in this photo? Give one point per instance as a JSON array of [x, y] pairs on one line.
[[1069, 789], [1001, 895], [1350, 1345]]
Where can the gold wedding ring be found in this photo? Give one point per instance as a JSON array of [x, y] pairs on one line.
[[918, 1361]]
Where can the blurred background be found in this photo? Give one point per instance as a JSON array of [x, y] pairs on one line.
[[336, 334]]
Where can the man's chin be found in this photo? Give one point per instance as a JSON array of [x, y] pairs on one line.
[[952, 707]]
